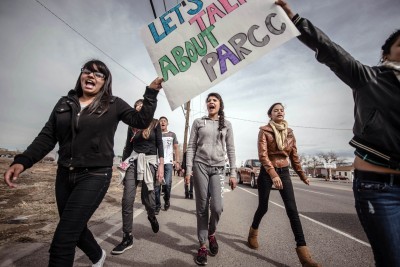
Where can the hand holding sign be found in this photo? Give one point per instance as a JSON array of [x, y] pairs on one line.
[[156, 84]]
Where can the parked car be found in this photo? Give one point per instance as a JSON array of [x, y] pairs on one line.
[[249, 172], [320, 175], [339, 177]]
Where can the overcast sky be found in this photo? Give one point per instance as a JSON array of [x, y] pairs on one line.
[[44, 43]]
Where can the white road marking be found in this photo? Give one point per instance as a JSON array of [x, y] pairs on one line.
[[315, 192], [118, 226], [317, 222]]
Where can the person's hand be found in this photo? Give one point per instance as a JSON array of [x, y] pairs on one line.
[[277, 182], [160, 172], [156, 84], [232, 182], [12, 174], [306, 181], [187, 179], [285, 7]]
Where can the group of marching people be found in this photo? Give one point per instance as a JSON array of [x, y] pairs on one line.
[[84, 122]]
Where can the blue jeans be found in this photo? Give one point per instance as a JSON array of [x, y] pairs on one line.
[[264, 185], [78, 194], [168, 184], [377, 201]]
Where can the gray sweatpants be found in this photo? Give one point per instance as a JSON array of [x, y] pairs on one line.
[[128, 197], [209, 188]]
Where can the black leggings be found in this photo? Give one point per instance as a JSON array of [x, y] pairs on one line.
[[264, 188]]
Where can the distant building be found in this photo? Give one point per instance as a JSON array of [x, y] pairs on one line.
[[344, 173]]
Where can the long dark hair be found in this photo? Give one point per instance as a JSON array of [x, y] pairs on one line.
[[221, 113], [103, 97], [146, 132]]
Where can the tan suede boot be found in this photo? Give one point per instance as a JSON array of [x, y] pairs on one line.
[[252, 239], [305, 258]]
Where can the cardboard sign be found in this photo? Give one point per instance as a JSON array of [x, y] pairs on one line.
[[197, 44]]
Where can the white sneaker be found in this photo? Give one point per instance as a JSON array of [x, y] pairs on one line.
[[102, 259]]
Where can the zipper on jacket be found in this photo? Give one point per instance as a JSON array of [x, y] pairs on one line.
[[77, 119], [72, 102]]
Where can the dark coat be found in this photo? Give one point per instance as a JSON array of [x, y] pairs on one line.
[[86, 140], [376, 93]]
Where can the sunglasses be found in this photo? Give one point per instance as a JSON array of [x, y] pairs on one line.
[[97, 74]]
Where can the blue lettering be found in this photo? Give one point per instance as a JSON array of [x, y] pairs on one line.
[[199, 5]]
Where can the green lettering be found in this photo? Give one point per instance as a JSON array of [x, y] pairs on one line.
[[191, 51], [181, 61], [167, 65], [210, 36]]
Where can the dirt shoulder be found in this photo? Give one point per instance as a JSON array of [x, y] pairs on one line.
[[29, 212]]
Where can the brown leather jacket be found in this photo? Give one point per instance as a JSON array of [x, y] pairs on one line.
[[271, 157]]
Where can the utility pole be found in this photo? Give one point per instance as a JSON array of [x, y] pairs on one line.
[[187, 107]]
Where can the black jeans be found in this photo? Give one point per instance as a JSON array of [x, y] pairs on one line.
[[264, 183], [128, 198], [79, 192]]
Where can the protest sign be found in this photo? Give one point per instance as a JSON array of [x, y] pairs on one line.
[[197, 44]]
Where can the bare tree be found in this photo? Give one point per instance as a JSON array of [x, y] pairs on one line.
[[311, 162], [329, 157]]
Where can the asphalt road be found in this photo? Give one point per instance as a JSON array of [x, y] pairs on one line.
[[331, 227]]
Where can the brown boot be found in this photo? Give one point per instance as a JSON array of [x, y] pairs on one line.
[[305, 258], [252, 239]]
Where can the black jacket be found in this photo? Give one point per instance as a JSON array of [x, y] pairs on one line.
[[151, 146], [376, 92], [86, 140]]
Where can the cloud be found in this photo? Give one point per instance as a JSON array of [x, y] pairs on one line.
[[41, 57]]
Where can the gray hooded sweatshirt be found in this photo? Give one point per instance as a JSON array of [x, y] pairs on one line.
[[208, 145]]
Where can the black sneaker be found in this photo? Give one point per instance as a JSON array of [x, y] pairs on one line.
[[201, 258], [157, 211], [213, 245], [126, 244], [154, 224], [187, 195], [166, 205], [191, 196]]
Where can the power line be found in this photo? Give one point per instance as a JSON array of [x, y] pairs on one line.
[[98, 48], [294, 126], [165, 7]]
